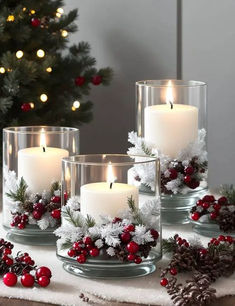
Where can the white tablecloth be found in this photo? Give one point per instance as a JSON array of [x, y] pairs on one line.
[[66, 288]]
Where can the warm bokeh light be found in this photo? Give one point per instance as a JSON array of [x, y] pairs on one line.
[[32, 12], [76, 104], [31, 105], [43, 98], [60, 10], [10, 18], [19, 54], [2, 70], [64, 33], [40, 53], [49, 69]]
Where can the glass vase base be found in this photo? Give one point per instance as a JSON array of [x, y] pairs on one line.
[[32, 236], [109, 269], [175, 208], [209, 229]]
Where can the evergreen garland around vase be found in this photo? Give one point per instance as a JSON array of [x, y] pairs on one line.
[[42, 80]]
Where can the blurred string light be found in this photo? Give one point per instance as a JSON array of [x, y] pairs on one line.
[[40, 53], [19, 54], [49, 69], [10, 18], [76, 105], [2, 70], [64, 33], [43, 98], [59, 12], [31, 105], [32, 12], [24, 9]]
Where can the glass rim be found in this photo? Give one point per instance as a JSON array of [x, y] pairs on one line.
[[57, 129], [69, 160], [178, 83]]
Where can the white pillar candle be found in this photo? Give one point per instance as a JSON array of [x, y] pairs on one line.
[[170, 127], [99, 199], [107, 198], [40, 166]]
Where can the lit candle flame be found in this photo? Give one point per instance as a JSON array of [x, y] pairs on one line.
[[110, 176], [43, 140], [169, 94]]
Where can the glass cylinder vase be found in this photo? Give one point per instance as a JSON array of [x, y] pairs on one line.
[[32, 158], [172, 123], [110, 227]]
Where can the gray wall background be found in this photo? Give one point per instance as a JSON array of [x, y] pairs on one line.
[[138, 39]]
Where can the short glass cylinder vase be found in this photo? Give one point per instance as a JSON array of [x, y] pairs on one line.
[[111, 228], [32, 158], [171, 124]]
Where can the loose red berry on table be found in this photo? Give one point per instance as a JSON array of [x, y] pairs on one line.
[[125, 237], [132, 247], [131, 257], [96, 80], [195, 216], [189, 170], [81, 259], [129, 228], [56, 214], [164, 282], [154, 234], [87, 240], [213, 215], [10, 279], [43, 271], [79, 81], [35, 22], [44, 281], [138, 260], [27, 280], [94, 252], [173, 271]]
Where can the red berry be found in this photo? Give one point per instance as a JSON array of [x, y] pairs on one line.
[[229, 239], [94, 252], [212, 198], [132, 247], [56, 214], [138, 260], [37, 215], [71, 253], [96, 79], [9, 261], [222, 201], [131, 257], [84, 252], [125, 237], [189, 170], [27, 259], [164, 282], [39, 207], [89, 247], [187, 179], [186, 244], [199, 203], [206, 205], [207, 198], [79, 81], [81, 259], [77, 246], [203, 251], [216, 207], [44, 281], [10, 279], [26, 107], [87, 240], [154, 234], [173, 271], [173, 173], [7, 251], [21, 226], [213, 215], [35, 22], [129, 228], [195, 216], [221, 238], [56, 199], [27, 280], [116, 220], [43, 271]]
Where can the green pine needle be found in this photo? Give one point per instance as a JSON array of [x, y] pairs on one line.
[[146, 149], [229, 192], [90, 222], [20, 194], [66, 245], [68, 216], [134, 210]]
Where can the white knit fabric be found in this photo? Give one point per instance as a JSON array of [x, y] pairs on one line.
[[66, 288]]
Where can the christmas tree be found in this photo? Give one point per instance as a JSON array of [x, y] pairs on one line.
[[42, 80]]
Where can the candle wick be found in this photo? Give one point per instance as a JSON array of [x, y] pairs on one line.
[[171, 105], [111, 185], [44, 149]]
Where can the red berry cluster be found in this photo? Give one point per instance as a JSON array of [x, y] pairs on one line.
[[21, 266], [129, 249], [221, 239], [25, 107], [190, 174], [80, 80], [38, 210], [208, 205], [82, 249]]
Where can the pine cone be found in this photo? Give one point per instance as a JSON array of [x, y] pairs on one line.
[[226, 220], [28, 206], [51, 206], [184, 259]]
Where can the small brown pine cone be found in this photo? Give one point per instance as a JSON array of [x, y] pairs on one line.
[[28, 206], [52, 206]]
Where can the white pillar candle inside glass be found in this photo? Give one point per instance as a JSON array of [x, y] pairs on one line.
[[40, 166], [170, 127], [107, 198]]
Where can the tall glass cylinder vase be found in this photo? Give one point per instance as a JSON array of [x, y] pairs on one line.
[[32, 157], [110, 227], [172, 121]]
